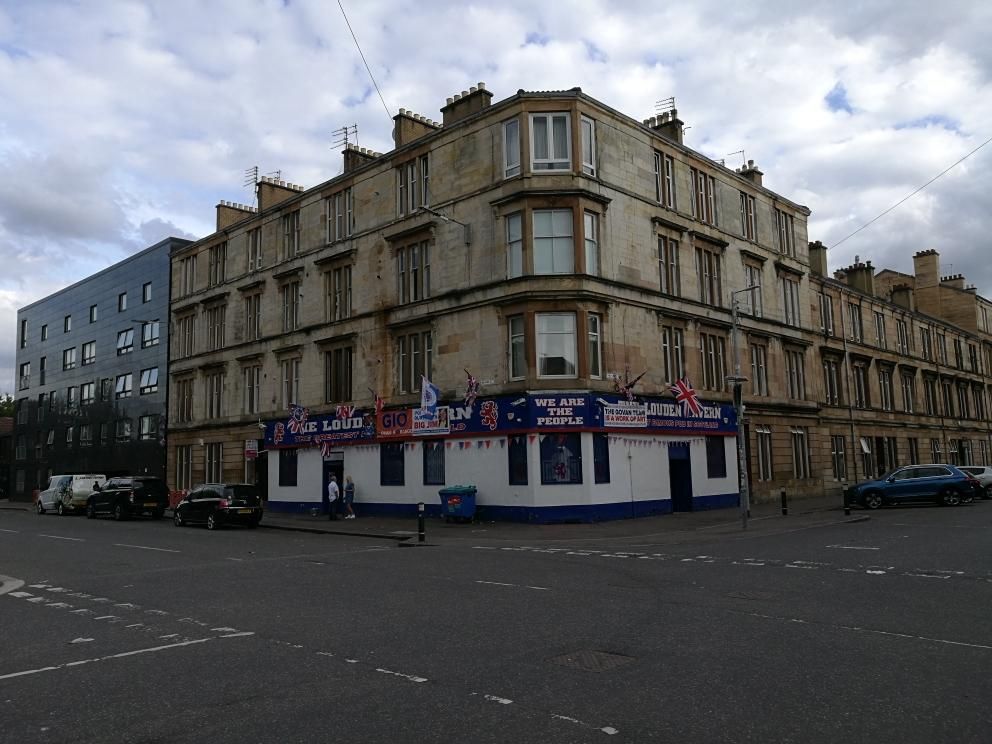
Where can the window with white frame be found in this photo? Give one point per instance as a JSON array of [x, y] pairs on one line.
[[216, 264], [712, 361], [337, 293], [289, 294], [551, 136], [838, 456], [289, 373], [184, 400], [929, 396], [425, 180], [340, 209], [413, 272], [148, 383], [759, 369], [800, 452], [664, 180], [214, 462], [902, 336], [187, 275], [860, 374], [704, 196], [588, 127], [942, 348], [885, 388], [251, 377], [673, 352], [511, 148], [795, 373], [213, 384], [214, 317], [554, 249], [185, 336], [556, 345], [747, 216], [595, 342], [668, 266], [908, 392], [253, 249], [831, 381], [935, 451], [591, 223], [764, 452], [790, 301], [709, 273], [752, 302], [947, 390], [514, 245], [253, 317], [414, 353], [826, 314], [786, 227], [412, 185], [517, 347], [856, 331], [926, 344], [291, 234], [914, 450], [880, 341]]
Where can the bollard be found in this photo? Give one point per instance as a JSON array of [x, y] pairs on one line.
[[847, 503], [785, 505], [421, 535]]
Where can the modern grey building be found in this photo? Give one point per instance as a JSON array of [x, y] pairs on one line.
[[91, 375]]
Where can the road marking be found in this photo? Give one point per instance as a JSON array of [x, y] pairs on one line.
[[10, 584], [81, 640], [234, 559], [493, 583], [20, 595], [60, 537], [244, 633], [411, 677], [146, 547], [123, 655], [852, 547], [16, 532], [500, 700], [515, 586]]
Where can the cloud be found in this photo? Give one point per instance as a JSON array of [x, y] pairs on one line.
[[126, 122]]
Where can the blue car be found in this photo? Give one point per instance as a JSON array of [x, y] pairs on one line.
[[945, 484]]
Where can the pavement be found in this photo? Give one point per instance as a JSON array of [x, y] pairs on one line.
[[765, 517]]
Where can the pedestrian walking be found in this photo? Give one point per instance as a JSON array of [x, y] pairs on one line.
[[349, 496], [333, 492]]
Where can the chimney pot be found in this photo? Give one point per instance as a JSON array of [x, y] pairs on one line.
[[482, 86], [464, 93], [750, 163], [449, 100], [457, 97], [472, 89]]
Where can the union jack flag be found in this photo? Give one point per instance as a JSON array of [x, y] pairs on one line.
[[471, 390], [298, 416], [378, 402], [686, 397], [325, 449]]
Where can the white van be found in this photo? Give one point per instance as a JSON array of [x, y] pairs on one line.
[[68, 493]]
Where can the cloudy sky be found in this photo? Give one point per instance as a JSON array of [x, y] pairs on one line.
[[124, 122]]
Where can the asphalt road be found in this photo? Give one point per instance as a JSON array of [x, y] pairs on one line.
[[141, 632]]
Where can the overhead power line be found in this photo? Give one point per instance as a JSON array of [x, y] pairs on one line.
[[910, 196], [364, 61]]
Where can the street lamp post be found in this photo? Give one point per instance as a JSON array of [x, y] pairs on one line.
[[738, 381]]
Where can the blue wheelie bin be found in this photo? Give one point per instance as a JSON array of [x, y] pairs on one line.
[[458, 503]]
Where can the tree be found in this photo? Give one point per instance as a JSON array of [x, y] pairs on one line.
[[6, 405]]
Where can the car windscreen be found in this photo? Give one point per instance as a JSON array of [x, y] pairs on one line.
[[248, 494]]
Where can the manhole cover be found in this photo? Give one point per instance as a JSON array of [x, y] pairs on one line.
[[592, 661], [750, 595]]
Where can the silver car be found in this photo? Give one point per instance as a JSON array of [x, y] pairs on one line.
[[983, 474]]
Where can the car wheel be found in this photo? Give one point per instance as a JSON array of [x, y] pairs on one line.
[[60, 509], [118, 512], [90, 510], [212, 522], [950, 497], [177, 518], [873, 500], [987, 492], [39, 506]]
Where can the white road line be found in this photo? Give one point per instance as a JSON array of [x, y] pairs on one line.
[[16, 532], [493, 583], [9, 584], [852, 547], [145, 547], [60, 537], [244, 633], [411, 677], [125, 654], [500, 700]]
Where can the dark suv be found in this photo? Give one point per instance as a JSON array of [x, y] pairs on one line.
[[126, 497], [944, 484], [217, 504]]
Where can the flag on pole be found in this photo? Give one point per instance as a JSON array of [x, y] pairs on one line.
[[429, 396], [686, 397], [377, 401], [471, 390]]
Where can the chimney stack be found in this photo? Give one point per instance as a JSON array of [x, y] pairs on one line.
[[355, 157], [464, 104], [410, 126], [954, 280], [817, 258], [902, 295], [750, 172], [861, 276], [272, 191], [668, 125], [926, 267], [228, 213]]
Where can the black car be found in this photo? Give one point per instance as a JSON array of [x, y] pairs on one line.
[[129, 496], [217, 504]]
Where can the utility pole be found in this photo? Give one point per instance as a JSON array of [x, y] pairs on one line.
[[737, 381]]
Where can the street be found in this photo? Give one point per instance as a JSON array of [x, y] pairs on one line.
[[808, 630]]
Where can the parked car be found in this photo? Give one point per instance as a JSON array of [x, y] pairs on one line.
[[983, 474], [67, 494], [217, 504], [944, 484], [129, 496]]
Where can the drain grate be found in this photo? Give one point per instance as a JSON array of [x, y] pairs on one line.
[[592, 661]]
